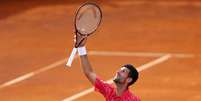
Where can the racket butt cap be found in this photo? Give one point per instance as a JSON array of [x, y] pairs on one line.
[[67, 65]]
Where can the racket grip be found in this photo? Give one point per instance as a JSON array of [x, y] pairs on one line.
[[70, 60]]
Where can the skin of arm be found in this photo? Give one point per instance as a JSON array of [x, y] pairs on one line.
[[87, 69], [80, 41]]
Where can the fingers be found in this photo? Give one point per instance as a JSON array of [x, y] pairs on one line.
[[80, 40]]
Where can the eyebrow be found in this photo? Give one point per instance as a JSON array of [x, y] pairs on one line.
[[124, 68]]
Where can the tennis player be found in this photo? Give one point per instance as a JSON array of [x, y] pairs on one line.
[[125, 77]]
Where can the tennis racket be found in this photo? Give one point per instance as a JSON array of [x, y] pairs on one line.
[[87, 19]]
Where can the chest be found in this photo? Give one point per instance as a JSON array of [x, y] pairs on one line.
[[114, 97]]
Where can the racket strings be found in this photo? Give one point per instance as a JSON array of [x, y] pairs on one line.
[[88, 18]]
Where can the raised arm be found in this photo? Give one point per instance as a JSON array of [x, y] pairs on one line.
[[86, 66], [87, 69]]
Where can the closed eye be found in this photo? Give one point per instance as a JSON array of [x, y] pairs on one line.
[[124, 71]]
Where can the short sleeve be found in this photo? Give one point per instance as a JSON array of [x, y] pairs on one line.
[[102, 87], [137, 98]]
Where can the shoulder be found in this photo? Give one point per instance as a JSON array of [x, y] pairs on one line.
[[100, 82], [104, 88], [137, 98]]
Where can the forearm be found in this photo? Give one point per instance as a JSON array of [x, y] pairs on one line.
[[86, 64], [87, 68]]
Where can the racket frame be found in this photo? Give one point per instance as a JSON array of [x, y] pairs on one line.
[[77, 11], [74, 51]]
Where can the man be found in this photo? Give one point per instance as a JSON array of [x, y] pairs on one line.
[[125, 77]]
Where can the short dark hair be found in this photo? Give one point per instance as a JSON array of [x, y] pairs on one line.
[[133, 73]]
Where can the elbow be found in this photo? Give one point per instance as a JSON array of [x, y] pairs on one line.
[[86, 73]]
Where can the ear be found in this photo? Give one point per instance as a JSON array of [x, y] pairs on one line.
[[129, 80]]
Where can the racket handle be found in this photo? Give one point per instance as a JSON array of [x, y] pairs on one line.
[[70, 60]]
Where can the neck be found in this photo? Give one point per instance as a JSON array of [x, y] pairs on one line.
[[120, 89]]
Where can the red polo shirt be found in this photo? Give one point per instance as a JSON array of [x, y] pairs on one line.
[[108, 91]]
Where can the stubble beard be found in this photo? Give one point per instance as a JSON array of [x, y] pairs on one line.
[[117, 80]]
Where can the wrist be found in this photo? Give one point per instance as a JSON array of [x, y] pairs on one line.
[[82, 50]]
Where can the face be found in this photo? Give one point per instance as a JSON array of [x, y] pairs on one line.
[[121, 76]]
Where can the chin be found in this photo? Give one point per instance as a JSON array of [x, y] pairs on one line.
[[116, 81]]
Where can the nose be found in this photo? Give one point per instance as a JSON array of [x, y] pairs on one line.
[[118, 72]]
